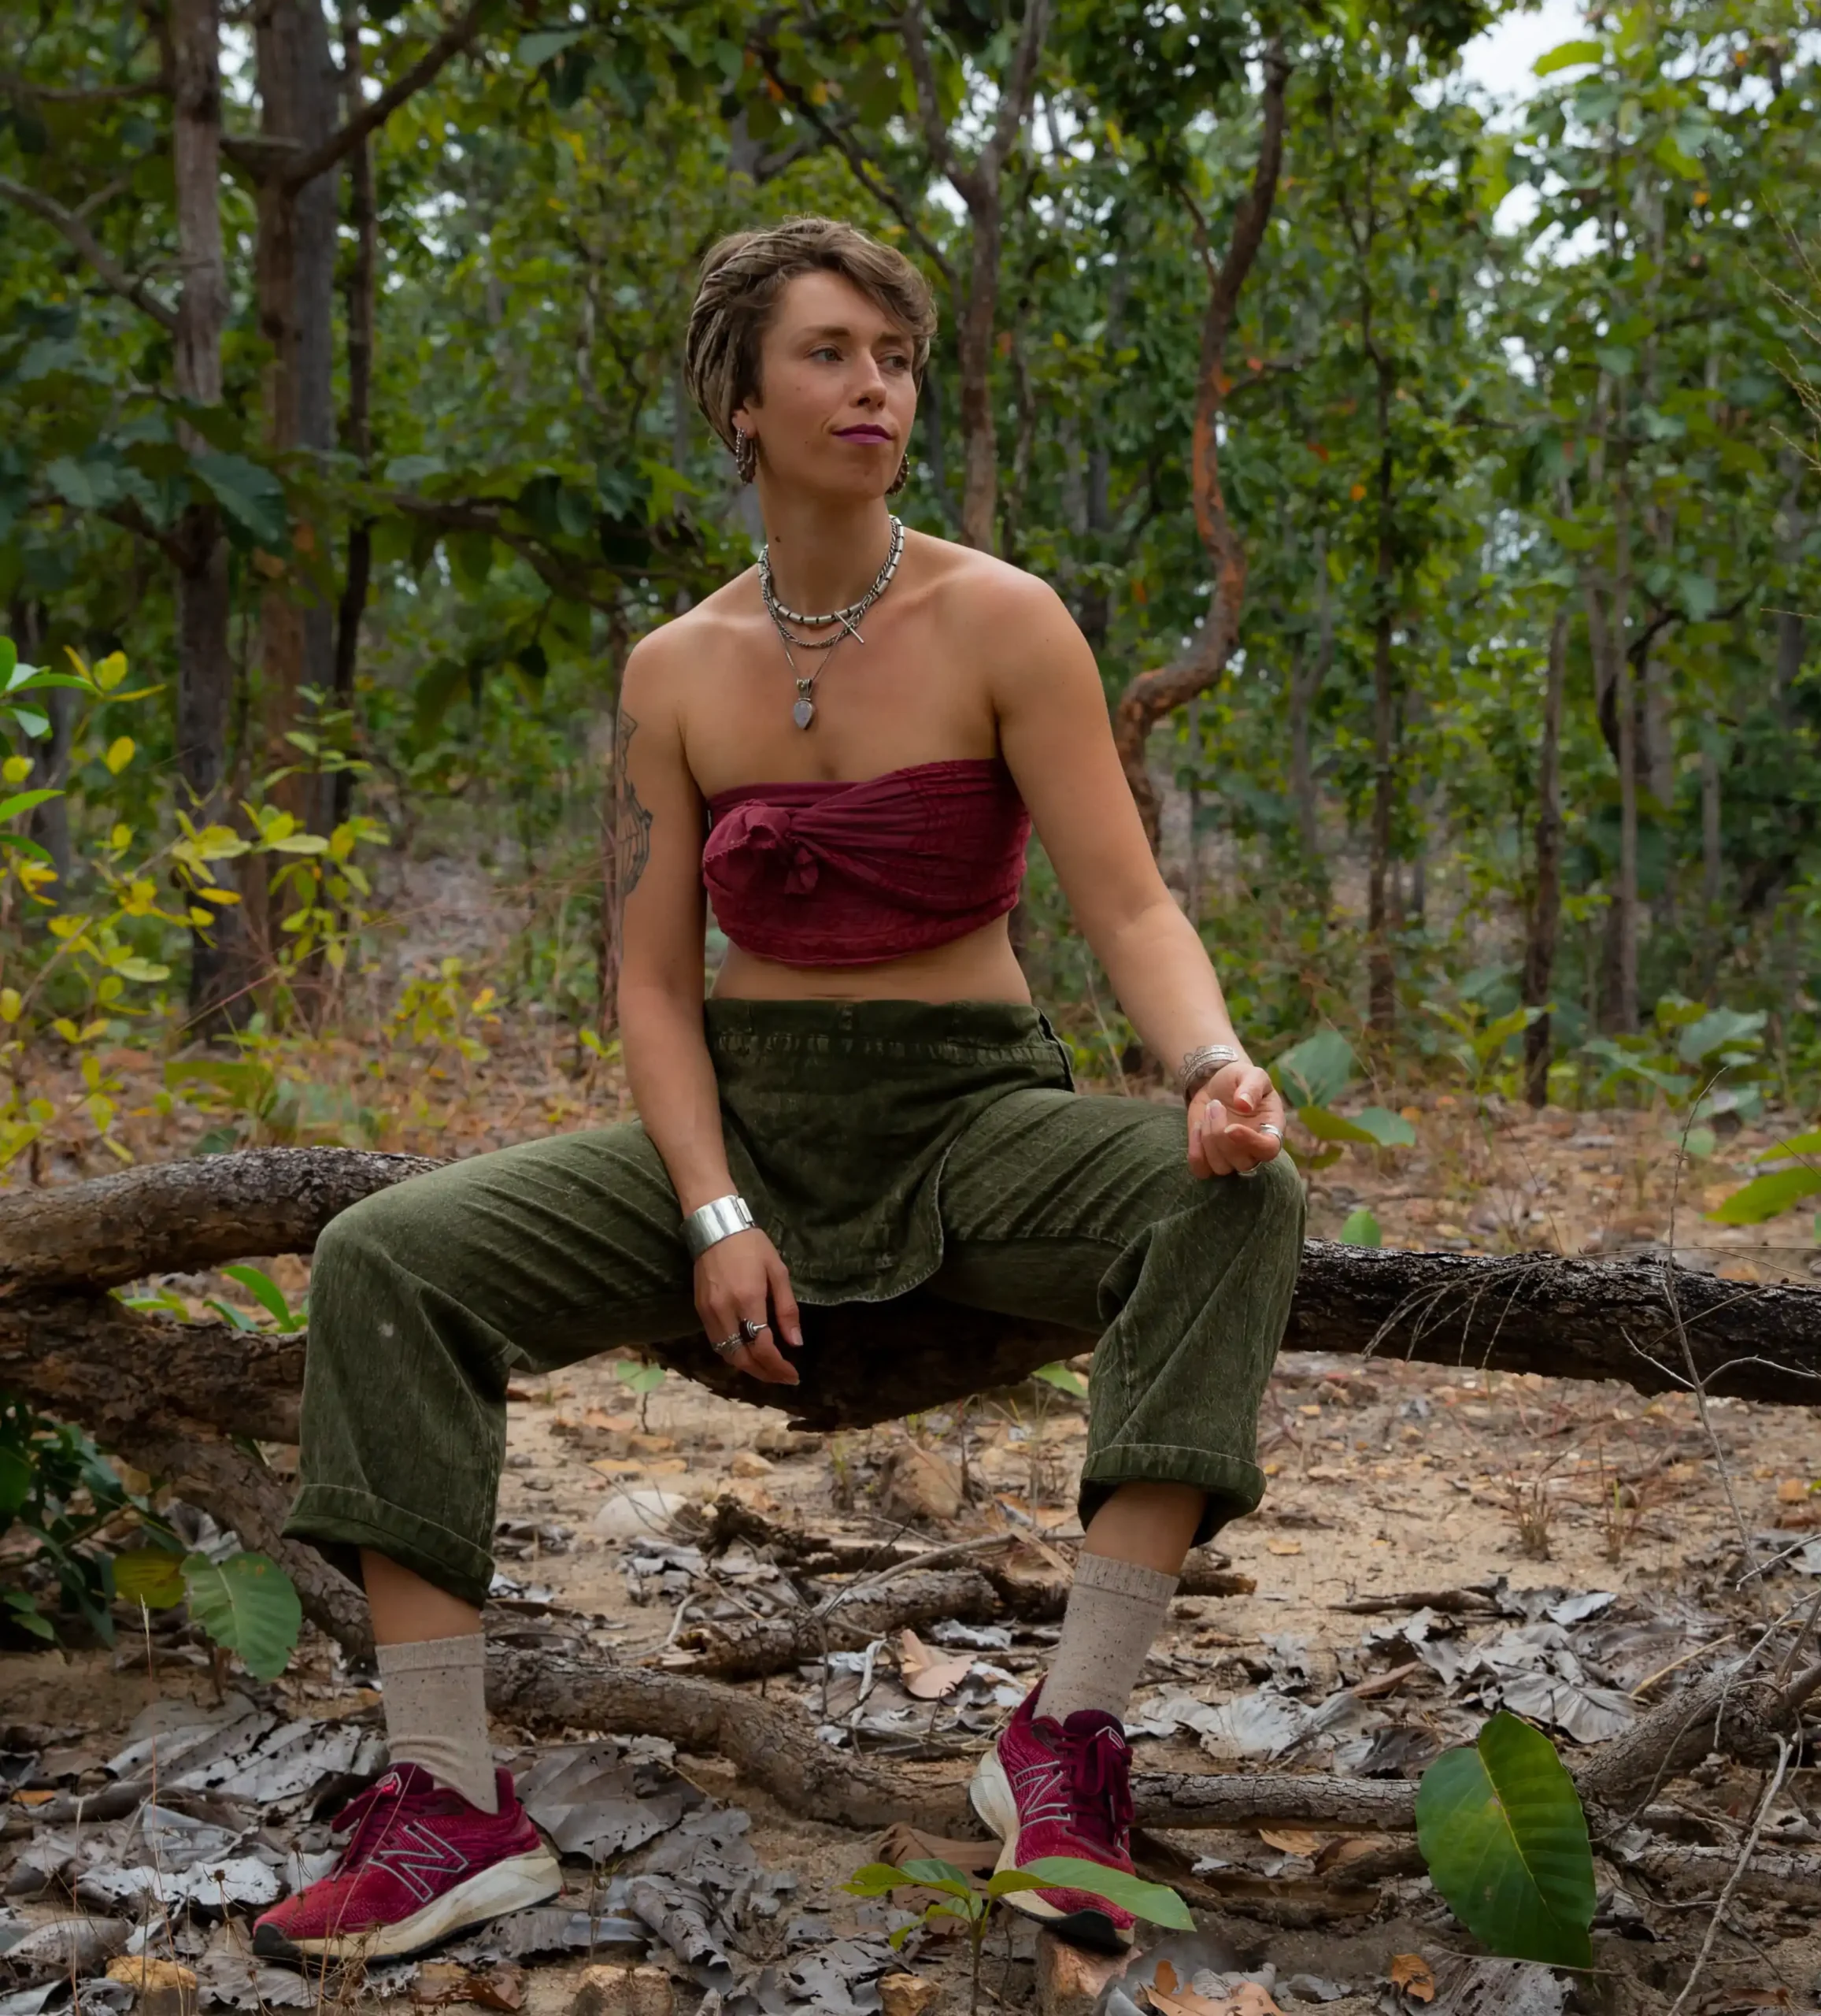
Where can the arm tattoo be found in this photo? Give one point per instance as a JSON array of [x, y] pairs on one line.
[[632, 823]]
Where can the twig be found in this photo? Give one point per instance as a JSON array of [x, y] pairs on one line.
[[956, 1550], [1763, 1812]]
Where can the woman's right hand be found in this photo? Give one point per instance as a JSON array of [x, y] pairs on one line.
[[744, 1279]]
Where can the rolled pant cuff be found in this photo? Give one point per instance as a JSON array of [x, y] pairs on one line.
[[338, 1520], [1234, 1486]]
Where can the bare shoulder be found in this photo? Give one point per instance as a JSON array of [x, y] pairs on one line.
[[665, 662], [1013, 624]]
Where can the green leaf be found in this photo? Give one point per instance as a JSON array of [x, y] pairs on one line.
[[876, 1879], [1565, 55], [27, 1616], [1389, 1130], [930, 1873], [152, 1576], [640, 1378], [1361, 1229], [238, 1318], [1765, 1196], [536, 50], [1374, 1128], [23, 801], [1699, 1143], [252, 497], [15, 1475], [1720, 1029], [1317, 1070], [1004, 1881], [266, 1292], [1154, 1901], [247, 1605], [1060, 1375], [1501, 1827], [1800, 1144]]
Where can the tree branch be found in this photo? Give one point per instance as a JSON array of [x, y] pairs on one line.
[[450, 43], [868, 171], [108, 269], [929, 100], [1020, 86]]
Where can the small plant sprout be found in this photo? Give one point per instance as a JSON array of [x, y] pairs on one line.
[[643, 1379], [972, 1903]]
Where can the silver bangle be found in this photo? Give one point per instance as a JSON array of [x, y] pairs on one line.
[[717, 1220], [1201, 1065]]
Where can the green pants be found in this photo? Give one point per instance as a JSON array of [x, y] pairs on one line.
[[883, 1146]]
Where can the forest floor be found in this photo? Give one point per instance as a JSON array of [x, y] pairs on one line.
[[1600, 1539]]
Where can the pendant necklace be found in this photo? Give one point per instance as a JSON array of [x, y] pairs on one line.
[[846, 622]]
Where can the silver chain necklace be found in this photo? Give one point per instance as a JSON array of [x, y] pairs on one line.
[[847, 620]]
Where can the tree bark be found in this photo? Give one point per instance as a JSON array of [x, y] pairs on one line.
[[1381, 970], [980, 186], [862, 1363], [363, 283], [1308, 672], [1153, 694], [295, 267], [218, 974], [1546, 915]]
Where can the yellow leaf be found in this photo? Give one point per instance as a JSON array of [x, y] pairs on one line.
[[11, 1005], [65, 1029], [111, 671], [120, 838], [1283, 1546], [120, 752], [15, 769]]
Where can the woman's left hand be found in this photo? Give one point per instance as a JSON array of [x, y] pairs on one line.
[[1228, 1119]]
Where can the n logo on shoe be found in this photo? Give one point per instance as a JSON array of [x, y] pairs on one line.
[[414, 1856]]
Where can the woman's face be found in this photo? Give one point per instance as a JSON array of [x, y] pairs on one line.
[[834, 411]]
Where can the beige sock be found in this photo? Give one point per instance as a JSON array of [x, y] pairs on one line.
[[1115, 1609], [435, 1696]]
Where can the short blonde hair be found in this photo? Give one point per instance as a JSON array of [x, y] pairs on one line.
[[741, 279]]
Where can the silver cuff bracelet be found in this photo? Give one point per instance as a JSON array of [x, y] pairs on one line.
[[1201, 1065], [718, 1220]]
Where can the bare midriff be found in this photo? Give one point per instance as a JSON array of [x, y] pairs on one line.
[[981, 966]]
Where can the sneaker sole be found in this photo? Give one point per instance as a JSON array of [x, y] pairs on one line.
[[989, 1793], [513, 1885]]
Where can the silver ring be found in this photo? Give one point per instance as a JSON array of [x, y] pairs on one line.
[[749, 1330], [728, 1345], [1271, 1126], [1246, 1175]]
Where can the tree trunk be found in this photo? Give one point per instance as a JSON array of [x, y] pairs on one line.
[[974, 348], [64, 1343], [1380, 971], [980, 186], [1546, 915], [296, 269], [337, 799], [1308, 672], [219, 970], [1153, 694]]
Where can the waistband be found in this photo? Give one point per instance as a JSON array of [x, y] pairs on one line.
[[910, 1030]]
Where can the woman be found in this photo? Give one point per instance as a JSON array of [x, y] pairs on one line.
[[868, 1102]]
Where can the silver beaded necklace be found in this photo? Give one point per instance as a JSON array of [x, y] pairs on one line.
[[847, 620]]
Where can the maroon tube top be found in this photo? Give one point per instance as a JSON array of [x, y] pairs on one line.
[[818, 874]]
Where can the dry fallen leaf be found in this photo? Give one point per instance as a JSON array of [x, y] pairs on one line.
[[613, 1424], [1283, 1546], [1792, 1490], [1341, 1849], [1410, 1972], [926, 1675], [1292, 1840], [1246, 1999]]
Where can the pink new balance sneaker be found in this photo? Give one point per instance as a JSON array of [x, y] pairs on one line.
[[1051, 1788], [421, 1865]]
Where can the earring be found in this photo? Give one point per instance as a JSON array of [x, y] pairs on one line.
[[746, 454], [902, 477]]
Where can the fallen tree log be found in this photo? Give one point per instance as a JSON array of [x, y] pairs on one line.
[[64, 1347]]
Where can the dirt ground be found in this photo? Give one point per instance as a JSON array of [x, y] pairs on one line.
[[1386, 1479]]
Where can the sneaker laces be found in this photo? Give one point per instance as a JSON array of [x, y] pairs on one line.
[[364, 1820], [1099, 1766]]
